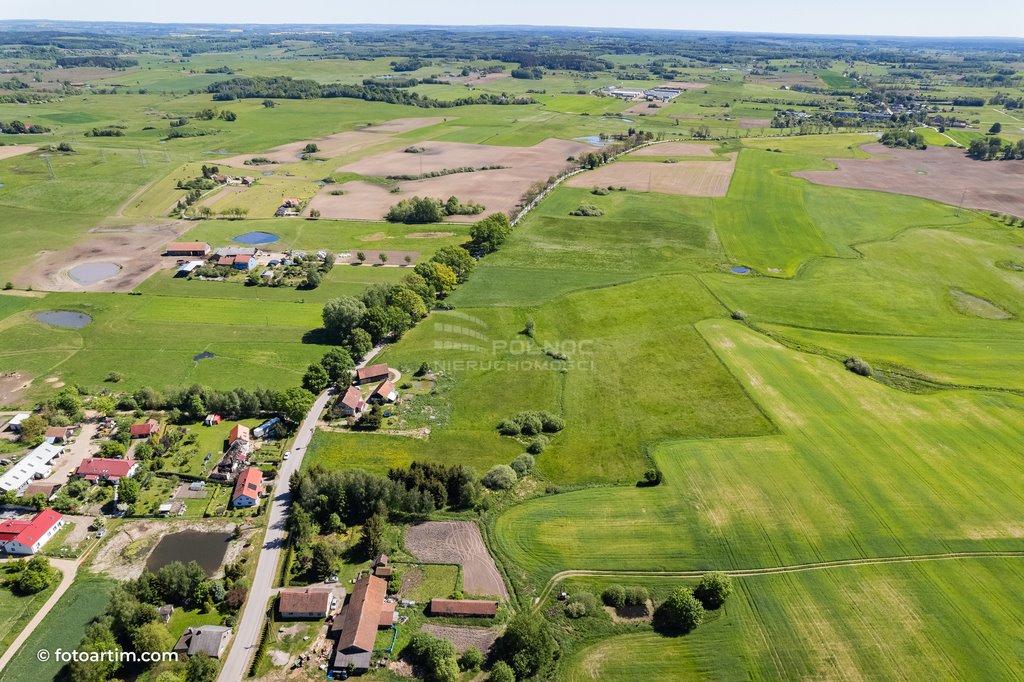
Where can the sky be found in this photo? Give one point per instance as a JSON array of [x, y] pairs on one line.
[[863, 17]]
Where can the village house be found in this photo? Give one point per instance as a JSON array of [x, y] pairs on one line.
[[211, 640], [28, 537], [59, 434], [305, 604], [150, 428], [243, 262], [188, 249], [480, 608], [356, 627], [373, 373], [101, 469], [350, 404], [384, 393], [239, 433], [248, 488], [34, 466]]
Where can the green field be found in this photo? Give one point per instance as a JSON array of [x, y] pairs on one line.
[[16, 611]]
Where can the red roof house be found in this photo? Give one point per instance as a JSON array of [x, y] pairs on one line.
[[28, 537], [384, 393], [151, 427], [238, 432], [351, 403], [104, 469], [247, 488]]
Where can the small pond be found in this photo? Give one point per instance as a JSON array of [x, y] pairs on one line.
[[205, 355], [206, 548], [594, 140], [90, 273], [256, 238], [63, 318], [740, 270]]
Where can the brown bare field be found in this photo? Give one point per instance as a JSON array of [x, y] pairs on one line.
[[676, 149], [939, 173], [12, 387], [686, 178], [335, 145], [684, 85], [463, 636], [643, 109], [137, 249], [755, 123], [11, 150], [458, 542], [498, 190]]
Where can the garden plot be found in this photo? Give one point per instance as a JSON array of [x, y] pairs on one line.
[[687, 178], [458, 542], [940, 173], [498, 189], [334, 145]]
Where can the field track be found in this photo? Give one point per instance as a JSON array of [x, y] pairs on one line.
[[774, 570]]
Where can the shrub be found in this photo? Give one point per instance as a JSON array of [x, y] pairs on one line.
[[614, 596], [680, 613], [713, 589], [471, 659], [537, 445], [551, 423], [587, 210], [652, 477], [507, 427], [636, 595], [530, 423], [858, 366], [738, 315], [500, 477], [501, 672], [580, 604], [600, 191], [522, 464]]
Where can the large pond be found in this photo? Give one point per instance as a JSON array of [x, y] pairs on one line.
[[206, 548], [256, 238], [90, 273], [63, 318]]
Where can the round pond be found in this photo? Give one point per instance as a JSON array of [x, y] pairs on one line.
[[63, 318], [256, 238], [90, 273], [740, 270]]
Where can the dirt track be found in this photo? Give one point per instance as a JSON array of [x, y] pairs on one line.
[[939, 173], [458, 542], [136, 249], [686, 178]]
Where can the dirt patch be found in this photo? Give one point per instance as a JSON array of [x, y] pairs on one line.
[[632, 614], [124, 555], [395, 258], [939, 173], [643, 109], [11, 150], [975, 306], [334, 145], [684, 85], [136, 249], [429, 235], [12, 386], [686, 178], [676, 149], [458, 542], [750, 123], [463, 637], [376, 237], [499, 190]]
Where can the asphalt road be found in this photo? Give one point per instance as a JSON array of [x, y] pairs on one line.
[[249, 626]]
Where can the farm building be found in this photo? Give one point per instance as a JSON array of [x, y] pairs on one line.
[[190, 249], [59, 434], [384, 393], [186, 269], [233, 251], [663, 94], [625, 93], [101, 469], [28, 537], [482, 608], [266, 428], [366, 375], [211, 640], [15, 423], [305, 604], [356, 627], [34, 466], [47, 490], [150, 428], [248, 488], [242, 262], [351, 403], [212, 420], [380, 567]]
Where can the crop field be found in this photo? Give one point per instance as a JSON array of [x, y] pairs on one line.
[[16, 611]]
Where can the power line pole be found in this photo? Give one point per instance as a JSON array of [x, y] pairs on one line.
[[142, 158], [961, 204], [49, 167]]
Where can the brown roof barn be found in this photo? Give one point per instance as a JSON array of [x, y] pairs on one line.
[[359, 622], [305, 603], [463, 607], [377, 372]]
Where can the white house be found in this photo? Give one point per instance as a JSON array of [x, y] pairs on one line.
[[33, 466], [248, 488], [28, 537]]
